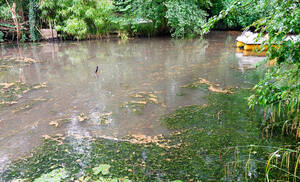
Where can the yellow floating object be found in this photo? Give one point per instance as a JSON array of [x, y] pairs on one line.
[[253, 53], [239, 44], [250, 47], [239, 50]]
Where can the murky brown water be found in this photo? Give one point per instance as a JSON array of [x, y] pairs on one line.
[[157, 65]]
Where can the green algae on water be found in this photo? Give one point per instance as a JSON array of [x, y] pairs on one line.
[[199, 151]]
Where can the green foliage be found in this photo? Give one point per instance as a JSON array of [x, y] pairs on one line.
[[53, 176], [33, 13], [279, 91], [279, 94], [244, 16], [185, 18], [5, 13], [137, 11], [79, 19], [180, 18], [102, 168]]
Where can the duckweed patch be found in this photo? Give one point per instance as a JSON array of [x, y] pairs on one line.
[[197, 151], [196, 158]]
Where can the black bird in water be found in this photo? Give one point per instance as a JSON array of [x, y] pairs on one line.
[[96, 70]]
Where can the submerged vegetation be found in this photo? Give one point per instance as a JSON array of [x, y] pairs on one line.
[[193, 152]]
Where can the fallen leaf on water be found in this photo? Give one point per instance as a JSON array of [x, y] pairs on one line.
[[214, 89], [42, 85], [154, 100], [46, 136], [105, 118], [106, 114], [82, 117], [9, 103], [54, 123], [58, 138], [138, 102], [211, 86], [58, 122], [6, 85], [152, 95], [137, 96], [25, 91]]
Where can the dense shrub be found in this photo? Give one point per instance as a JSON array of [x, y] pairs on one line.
[[185, 18], [77, 18], [181, 18], [245, 15]]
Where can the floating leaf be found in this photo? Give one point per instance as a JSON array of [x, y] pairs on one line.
[[102, 168], [82, 117], [54, 176], [6, 85], [154, 100], [54, 123], [58, 122]]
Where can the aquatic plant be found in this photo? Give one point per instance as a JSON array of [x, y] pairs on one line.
[[192, 152]]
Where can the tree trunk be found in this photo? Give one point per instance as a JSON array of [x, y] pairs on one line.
[[15, 19]]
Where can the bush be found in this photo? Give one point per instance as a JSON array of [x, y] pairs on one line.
[[181, 18], [251, 11], [77, 18], [279, 94], [185, 18]]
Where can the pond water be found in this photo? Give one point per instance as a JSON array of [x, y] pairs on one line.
[[138, 81]]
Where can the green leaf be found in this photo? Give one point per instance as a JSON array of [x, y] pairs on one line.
[[102, 168], [54, 176]]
